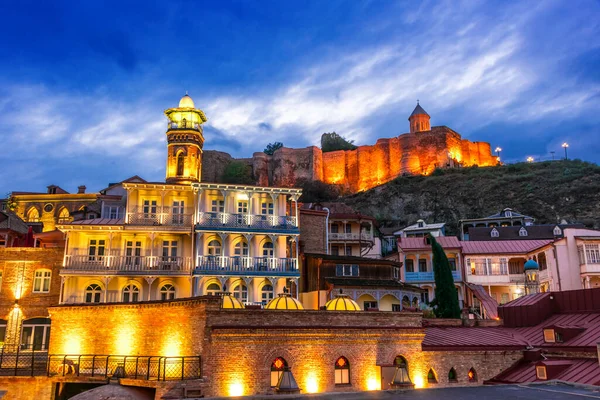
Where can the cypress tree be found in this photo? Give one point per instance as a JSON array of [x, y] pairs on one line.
[[445, 303]]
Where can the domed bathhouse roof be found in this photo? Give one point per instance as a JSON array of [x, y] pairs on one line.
[[530, 265], [284, 302], [342, 302], [230, 302], [186, 102]]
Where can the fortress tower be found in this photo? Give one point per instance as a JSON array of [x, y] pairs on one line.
[[184, 142], [419, 120]]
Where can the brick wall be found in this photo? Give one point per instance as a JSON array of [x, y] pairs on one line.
[[313, 229], [21, 387]]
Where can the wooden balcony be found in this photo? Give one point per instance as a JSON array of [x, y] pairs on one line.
[[126, 265], [427, 276], [208, 221], [350, 237], [160, 217], [258, 266]]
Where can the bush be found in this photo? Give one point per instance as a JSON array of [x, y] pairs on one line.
[[238, 172], [317, 191], [271, 147], [333, 142]]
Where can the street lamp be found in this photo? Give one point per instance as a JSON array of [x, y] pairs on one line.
[[552, 152], [498, 150], [565, 146], [529, 159]]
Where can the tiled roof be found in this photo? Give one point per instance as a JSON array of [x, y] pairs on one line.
[[578, 370], [588, 322], [512, 232], [98, 221], [419, 243], [12, 221], [489, 303], [441, 338], [526, 300], [503, 246]]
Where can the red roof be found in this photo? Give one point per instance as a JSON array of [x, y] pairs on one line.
[[489, 303], [419, 243], [503, 246], [588, 322], [459, 338], [577, 370]]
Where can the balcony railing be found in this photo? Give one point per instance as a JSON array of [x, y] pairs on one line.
[[220, 220], [351, 236], [246, 265], [160, 216], [128, 264], [427, 276]]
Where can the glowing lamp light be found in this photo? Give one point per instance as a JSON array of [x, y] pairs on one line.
[[312, 386], [471, 375], [236, 389], [373, 384], [73, 345], [418, 381], [529, 159]]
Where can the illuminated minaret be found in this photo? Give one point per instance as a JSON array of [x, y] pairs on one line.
[[419, 120], [184, 142]]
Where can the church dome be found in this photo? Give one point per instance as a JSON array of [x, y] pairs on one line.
[[186, 102], [284, 302], [530, 264], [342, 302], [230, 302]]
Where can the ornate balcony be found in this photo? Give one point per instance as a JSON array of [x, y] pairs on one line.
[[263, 266], [160, 217], [368, 237], [427, 276], [208, 221], [126, 265]]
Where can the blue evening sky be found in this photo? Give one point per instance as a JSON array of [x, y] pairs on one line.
[[83, 84]]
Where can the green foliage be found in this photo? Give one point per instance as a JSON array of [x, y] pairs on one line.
[[445, 303], [271, 147], [238, 172], [332, 142], [11, 203], [317, 191]]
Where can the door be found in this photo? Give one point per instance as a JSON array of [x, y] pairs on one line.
[[133, 253]]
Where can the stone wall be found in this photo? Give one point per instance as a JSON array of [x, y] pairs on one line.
[[364, 167], [313, 228]]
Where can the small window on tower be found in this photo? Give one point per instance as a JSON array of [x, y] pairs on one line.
[[180, 161]]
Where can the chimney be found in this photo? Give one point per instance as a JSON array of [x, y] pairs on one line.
[[81, 189]]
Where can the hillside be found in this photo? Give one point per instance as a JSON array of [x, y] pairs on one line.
[[549, 191]]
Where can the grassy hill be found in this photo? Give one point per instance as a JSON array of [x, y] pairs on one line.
[[550, 191]]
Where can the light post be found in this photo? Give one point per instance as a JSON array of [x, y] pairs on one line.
[[529, 159], [565, 146], [552, 152], [498, 150]]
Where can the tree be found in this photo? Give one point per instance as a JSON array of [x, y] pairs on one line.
[[237, 172], [271, 147], [445, 303], [332, 142]]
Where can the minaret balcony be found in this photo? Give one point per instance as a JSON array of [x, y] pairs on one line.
[[208, 221]]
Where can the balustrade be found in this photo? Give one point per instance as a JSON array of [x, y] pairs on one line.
[[158, 264], [245, 264], [245, 221], [153, 216]]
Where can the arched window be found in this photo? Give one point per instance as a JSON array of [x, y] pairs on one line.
[[523, 232], [131, 293], [267, 249], [180, 162], [452, 375], [64, 216], [93, 293], [431, 377], [41, 281], [472, 375], [415, 302], [277, 367], [35, 334], [405, 301], [240, 292], [167, 292], [342, 371], [241, 248], [266, 293], [184, 123], [214, 248], [401, 375], [33, 215], [213, 289], [495, 233]]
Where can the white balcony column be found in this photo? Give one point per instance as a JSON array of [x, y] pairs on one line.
[[162, 217], [106, 281], [128, 195], [198, 196], [67, 237], [275, 216], [223, 237], [110, 252], [62, 289], [149, 280], [588, 284]]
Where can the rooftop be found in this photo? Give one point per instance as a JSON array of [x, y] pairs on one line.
[[503, 246], [420, 243]]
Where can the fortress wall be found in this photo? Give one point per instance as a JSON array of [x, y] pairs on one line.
[[394, 157], [485, 154], [292, 165], [261, 165], [334, 167]]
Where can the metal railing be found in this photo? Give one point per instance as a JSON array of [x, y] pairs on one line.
[[159, 216], [244, 264], [351, 236], [128, 264], [426, 276], [155, 368], [16, 361], [246, 221]]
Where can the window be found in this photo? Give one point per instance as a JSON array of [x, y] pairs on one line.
[[422, 265], [266, 208], [415, 302], [149, 208], [405, 301], [549, 336], [214, 248], [369, 304], [267, 249], [133, 253], [504, 298], [452, 375], [241, 248], [342, 371], [217, 205], [348, 250], [540, 372], [523, 232], [592, 253], [213, 289], [41, 281], [240, 292], [495, 233], [113, 212], [348, 228], [48, 208], [180, 159], [472, 375], [131, 294], [401, 370], [420, 223], [335, 251], [557, 231], [178, 209], [542, 262], [431, 378], [410, 265], [452, 262], [266, 293], [169, 252], [93, 293], [277, 367], [346, 270], [242, 207], [2, 241], [63, 216], [33, 215], [167, 292], [396, 307], [334, 228], [35, 334]]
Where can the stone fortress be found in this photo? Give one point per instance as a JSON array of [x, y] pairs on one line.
[[420, 151]]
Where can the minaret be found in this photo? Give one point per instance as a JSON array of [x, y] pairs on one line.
[[419, 120], [184, 142]]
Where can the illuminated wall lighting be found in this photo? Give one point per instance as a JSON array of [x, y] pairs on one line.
[[373, 384], [312, 385], [236, 389]]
